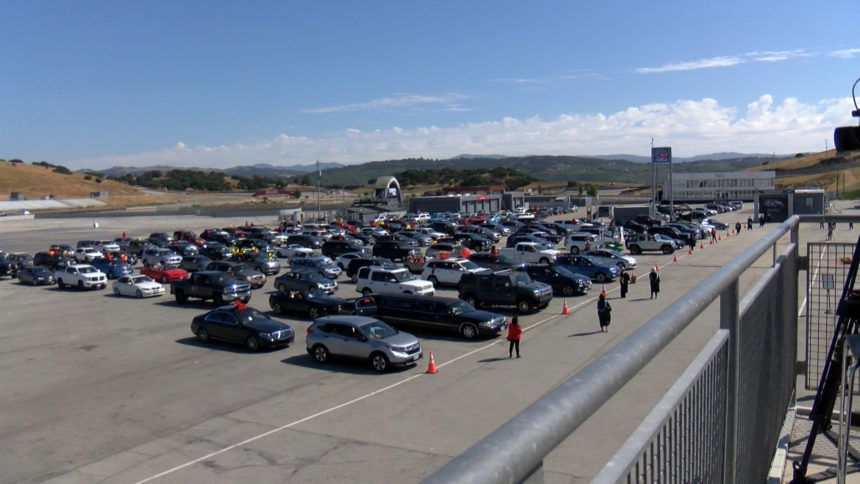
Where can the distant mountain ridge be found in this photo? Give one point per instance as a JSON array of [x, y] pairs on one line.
[[680, 159]]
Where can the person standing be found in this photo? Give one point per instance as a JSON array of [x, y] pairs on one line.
[[738, 227], [714, 235], [749, 223], [624, 281], [515, 331], [830, 231], [604, 313], [761, 220], [654, 281]]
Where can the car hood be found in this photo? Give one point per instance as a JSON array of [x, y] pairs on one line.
[[267, 325], [401, 339]]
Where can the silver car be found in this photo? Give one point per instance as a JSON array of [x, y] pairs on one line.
[[362, 338]]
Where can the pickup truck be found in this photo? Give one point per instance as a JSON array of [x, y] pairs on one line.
[[81, 276], [214, 285], [530, 253]]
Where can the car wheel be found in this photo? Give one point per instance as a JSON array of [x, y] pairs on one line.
[[314, 312], [434, 280], [635, 250], [366, 291], [277, 309], [574, 250], [139, 294], [567, 291], [667, 249], [379, 362], [543, 260], [320, 353], [252, 343], [116, 292], [80, 284], [181, 298], [469, 331], [202, 335], [164, 279], [523, 306], [601, 277]]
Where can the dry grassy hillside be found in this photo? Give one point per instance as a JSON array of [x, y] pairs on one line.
[[36, 182], [827, 170]]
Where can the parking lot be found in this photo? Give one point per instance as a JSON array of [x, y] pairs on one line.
[[98, 388]]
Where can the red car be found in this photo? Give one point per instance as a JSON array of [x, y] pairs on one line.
[[164, 274]]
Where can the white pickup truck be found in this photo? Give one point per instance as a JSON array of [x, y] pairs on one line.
[[530, 253], [81, 276]]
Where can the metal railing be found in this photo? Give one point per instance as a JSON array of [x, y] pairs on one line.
[[708, 428]]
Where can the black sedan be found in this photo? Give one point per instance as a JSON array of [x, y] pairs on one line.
[[35, 275], [562, 280], [247, 326], [313, 302]]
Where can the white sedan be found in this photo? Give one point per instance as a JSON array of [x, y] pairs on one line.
[[138, 286]]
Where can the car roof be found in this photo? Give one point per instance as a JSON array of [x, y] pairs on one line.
[[357, 320]]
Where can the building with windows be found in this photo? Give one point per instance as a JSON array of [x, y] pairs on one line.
[[707, 186]]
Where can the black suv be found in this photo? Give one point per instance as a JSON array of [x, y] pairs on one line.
[[334, 248], [435, 313], [505, 289], [394, 250], [304, 240]]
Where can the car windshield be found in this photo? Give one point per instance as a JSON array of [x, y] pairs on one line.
[[378, 330], [403, 276], [469, 265], [564, 272], [461, 307], [521, 279]]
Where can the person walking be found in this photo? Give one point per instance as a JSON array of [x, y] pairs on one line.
[[604, 313], [738, 227], [624, 281], [714, 235], [654, 280], [830, 231], [761, 220], [749, 223], [515, 331]]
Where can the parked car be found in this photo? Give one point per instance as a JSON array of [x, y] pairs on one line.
[[265, 262], [80, 276], [311, 302], [495, 262], [165, 274], [240, 271], [436, 314], [612, 257], [214, 285], [139, 286], [562, 280], [8, 265], [195, 263], [35, 275], [376, 279], [588, 266], [449, 271], [362, 338], [55, 260], [637, 243], [320, 264], [304, 240], [356, 264], [335, 247], [113, 268], [505, 289], [304, 281], [159, 255], [87, 254], [394, 250], [249, 327]]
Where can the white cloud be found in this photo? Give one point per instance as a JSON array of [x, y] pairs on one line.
[[691, 127], [844, 53], [722, 61], [391, 102]]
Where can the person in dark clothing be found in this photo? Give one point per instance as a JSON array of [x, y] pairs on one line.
[[749, 223], [515, 331], [654, 280], [761, 220], [737, 227], [714, 235], [624, 281], [604, 313]]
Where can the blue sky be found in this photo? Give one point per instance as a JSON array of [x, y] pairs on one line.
[[220, 83]]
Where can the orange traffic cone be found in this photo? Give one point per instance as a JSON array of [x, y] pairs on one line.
[[564, 309], [690, 250], [603, 290], [675, 258], [719, 238], [431, 366], [701, 245]]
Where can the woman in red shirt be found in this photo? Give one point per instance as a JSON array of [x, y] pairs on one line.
[[514, 333]]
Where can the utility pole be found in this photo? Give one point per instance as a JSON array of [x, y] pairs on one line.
[[319, 178]]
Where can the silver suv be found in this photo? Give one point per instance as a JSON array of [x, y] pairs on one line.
[[636, 243], [362, 338]]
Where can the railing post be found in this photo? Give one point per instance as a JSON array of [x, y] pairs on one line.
[[729, 319]]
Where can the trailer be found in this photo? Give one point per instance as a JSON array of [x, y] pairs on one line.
[[624, 213]]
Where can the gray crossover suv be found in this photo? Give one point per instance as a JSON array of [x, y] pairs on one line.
[[363, 338]]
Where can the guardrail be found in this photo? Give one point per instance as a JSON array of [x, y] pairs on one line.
[[708, 428]]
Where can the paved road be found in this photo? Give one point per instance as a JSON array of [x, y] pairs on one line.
[[103, 389]]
